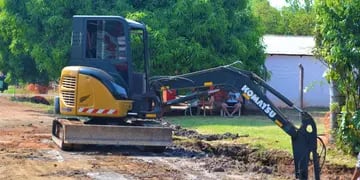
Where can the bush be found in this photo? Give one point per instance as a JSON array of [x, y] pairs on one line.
[[348, 133]]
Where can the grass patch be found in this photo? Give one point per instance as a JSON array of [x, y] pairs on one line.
[[49, 109], [42, 107], [14, 90], [336, 156]]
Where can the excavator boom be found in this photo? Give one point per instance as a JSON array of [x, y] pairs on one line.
[[304, 138]]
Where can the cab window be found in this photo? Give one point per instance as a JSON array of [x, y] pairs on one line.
[[105, 39]]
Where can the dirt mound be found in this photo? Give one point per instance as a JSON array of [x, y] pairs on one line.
[[207, 137], [240, 158], [33, 99]]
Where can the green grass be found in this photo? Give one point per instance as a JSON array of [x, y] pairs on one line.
[[18, 92], [41, 107], [14, 90], [336, 156]]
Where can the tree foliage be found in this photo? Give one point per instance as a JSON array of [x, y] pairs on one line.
[[338, 43], [184, 35], [295, 5], [207, 34], [296, 19], [270, 18]]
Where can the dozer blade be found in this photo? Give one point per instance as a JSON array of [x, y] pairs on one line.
[[67, 133]]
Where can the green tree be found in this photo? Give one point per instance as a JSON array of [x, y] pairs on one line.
[[36, 35], [296, 19], [303, 4], [270, 18], [299, 17], [193, 35], [184, 35], [338, 43]]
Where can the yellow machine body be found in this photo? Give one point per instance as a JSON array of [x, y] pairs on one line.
[[84, 95]]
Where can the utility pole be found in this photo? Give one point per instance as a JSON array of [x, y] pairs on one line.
[[301, 88]]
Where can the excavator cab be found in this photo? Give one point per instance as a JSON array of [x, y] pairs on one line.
[[104, 42]]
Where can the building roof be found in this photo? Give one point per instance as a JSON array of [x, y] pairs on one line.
[[289, 45]]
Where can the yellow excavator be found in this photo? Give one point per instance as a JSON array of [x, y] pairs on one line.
[[106, 96], [103, 98]]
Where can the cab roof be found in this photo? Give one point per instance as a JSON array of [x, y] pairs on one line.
[[132, 24]]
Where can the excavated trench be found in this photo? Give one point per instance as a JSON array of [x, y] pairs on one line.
[[230, 158]]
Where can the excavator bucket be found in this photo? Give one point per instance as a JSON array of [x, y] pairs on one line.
[[68, 133]]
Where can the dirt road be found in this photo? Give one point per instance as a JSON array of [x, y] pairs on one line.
[[27, 152]]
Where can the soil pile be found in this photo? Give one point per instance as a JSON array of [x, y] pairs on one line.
[[178, 131]]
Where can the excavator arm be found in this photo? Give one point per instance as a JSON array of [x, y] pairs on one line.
[[304, 138]]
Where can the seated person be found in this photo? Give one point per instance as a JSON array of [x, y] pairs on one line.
[[205, 103], [219, 98], [234, 100]]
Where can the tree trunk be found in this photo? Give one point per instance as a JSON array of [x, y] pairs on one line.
[[336, 101]]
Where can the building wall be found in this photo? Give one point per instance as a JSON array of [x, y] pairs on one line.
[[285, 75]]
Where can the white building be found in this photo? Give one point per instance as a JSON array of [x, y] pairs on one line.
[[284, 55]]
